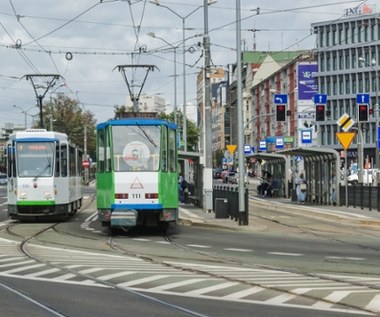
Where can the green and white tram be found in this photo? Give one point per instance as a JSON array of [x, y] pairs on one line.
[[137, 173], [44, 175]]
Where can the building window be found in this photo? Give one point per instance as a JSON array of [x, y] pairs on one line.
[[346, 36], [321, 37]]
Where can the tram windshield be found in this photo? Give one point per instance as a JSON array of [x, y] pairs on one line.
[[136, 148], [35, 159]]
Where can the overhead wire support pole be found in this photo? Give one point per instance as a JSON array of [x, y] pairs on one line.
[[134, 97], [207, 175], [243, 214], [50, 83]]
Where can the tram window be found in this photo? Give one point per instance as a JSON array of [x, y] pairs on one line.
[[100, 151], [136, 148], [64, 160], [108, 152], [172, 156], [57, 160], [72, 161], [11, 161], [164, 160]]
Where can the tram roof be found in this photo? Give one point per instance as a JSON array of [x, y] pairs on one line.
[[136, 121]]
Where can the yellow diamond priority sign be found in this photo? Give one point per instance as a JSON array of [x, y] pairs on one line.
[[345, 138]]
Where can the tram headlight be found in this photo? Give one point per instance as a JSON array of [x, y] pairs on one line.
[[48, 195], [23, 195]]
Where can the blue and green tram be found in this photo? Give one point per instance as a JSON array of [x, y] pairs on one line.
[[137, 173]]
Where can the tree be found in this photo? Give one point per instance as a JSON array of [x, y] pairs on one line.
[[66, 115], [193, 131]]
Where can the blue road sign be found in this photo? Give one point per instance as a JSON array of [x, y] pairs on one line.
[[378, 137], [320, 99], [247, 149], [263, 145], [362, 98], [280, 99]]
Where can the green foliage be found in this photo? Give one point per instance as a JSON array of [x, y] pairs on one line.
[[193, 131], [63, 114]]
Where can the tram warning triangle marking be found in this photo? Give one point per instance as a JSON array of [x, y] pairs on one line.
[[137, 184], [345, 138]]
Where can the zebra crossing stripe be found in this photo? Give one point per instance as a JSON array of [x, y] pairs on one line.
[[177, 284], [41, 273], [143, 280], [114, 275], [374, 304], [211, 288], [280, 299], [244, 293]]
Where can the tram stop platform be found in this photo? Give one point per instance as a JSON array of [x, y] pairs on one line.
[[194, 216]]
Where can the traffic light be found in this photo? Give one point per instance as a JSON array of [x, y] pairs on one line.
[[363, 113], [320, 113], [280, 113]]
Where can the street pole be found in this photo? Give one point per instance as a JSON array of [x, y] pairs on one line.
[[360, 153], [183, 18], [207, 174], [377, 159], [243, 214]]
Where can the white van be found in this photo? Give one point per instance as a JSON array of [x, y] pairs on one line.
[[367, 177]]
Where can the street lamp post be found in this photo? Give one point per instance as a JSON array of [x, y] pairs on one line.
[[152, 34], [183, 18], [372, 66], [25, 112]]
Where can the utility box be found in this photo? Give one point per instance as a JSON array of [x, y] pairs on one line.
[[221, 208]]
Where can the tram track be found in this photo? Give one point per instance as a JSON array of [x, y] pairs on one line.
[[121, 250], [23, 248], [229, 262]]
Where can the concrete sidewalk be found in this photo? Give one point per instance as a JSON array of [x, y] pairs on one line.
[[192, 215]]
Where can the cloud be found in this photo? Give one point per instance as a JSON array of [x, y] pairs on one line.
[[103, 34]]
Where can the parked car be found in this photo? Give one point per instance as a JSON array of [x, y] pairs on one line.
[[368, 176], [3, 179], [227, 176], [235, 179], [217, 173]]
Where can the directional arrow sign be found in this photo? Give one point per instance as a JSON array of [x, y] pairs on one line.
[[362, 98], [345, 138], [320, 98], [281, 99]]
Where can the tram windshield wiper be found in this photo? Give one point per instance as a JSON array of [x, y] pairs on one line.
[[42, 172], [147, 136]]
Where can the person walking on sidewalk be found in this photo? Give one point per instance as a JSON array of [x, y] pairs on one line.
[[301, 189]]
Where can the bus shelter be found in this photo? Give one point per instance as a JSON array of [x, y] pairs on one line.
[[277, 165], [321, 167]]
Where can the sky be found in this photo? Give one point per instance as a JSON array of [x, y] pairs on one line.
[[84, 42]]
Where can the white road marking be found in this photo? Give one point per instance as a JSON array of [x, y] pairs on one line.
[[244, 293], [286, 254], [280, 299], [209, 289], [238, 250], [374, 304], [345, 258], [178, 284], [142, 280], [198, 246]]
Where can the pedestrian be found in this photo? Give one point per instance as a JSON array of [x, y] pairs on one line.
[[181, 195], [301, 189], [333, 189]]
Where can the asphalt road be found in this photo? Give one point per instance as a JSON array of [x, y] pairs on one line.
[[82, 270]]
